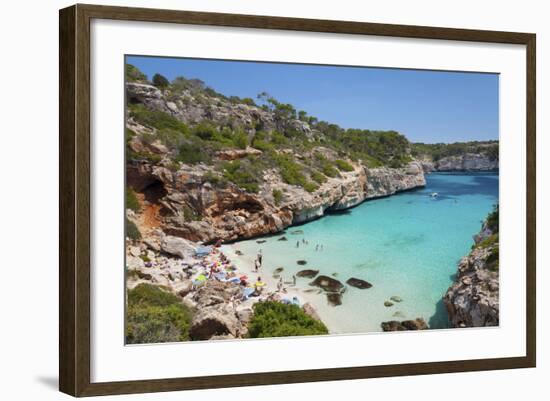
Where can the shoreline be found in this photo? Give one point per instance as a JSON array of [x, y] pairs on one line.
[[245, 264], [329, 211]]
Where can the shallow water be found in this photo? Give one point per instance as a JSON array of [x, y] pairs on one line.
[[406, 245]]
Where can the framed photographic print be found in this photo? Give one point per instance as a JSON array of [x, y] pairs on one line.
[[251, 200]]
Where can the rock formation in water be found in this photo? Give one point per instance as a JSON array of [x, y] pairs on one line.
[[473, 299]]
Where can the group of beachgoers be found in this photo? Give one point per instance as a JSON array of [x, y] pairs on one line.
[[318, 247], [215, 265]]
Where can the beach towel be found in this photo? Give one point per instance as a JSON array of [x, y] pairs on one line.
[[247, 292]]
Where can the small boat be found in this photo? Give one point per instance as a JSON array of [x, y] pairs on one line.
[[434, 195]]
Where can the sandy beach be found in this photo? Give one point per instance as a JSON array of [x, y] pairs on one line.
[[305, 293]]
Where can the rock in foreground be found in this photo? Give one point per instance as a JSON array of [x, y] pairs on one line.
[[394, 325]]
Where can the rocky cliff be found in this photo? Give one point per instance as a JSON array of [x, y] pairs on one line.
[[194, 106], [467, 162], [473, 299], [464, 162], [282, 172], [191, 205]]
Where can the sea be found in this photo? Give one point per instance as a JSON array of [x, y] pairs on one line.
[[407, 245]]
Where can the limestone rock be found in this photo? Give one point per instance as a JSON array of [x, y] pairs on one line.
[[211, 322], [177, 246], [133, 262], [394, 325], [334, 298], [182, 288], [467, 162], [358, 283], [234, 154], [310, 311], [308, 273], [327, 283], [473, 299]]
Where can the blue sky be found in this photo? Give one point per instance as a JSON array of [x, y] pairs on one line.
[[425, 106]]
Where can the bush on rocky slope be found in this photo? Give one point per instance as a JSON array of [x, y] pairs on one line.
[[155, 316], [132, 231], [274, 319]]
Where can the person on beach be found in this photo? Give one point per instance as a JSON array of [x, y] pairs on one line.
[[293, 279], [260, 257], [297, 244], [258, 285], [280, 285], [256, 265], [316, 247]]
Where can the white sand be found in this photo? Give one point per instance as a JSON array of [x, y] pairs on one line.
[[245, 265]]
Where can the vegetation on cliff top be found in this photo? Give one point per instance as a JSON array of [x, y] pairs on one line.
[[155, 316], [286, 146], [492, 241], [437, 151], [275, 319]]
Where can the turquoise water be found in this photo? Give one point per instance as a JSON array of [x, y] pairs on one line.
[[407, 245]]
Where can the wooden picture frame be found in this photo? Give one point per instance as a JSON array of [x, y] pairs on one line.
[[75, 207]]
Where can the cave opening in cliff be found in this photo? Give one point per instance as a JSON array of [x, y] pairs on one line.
[[154, 192]]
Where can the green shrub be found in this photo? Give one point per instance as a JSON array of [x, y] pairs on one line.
[[262, 145], [274, 319], [291, 172], [329, 170], [242, 174], [325, 165], [240, 139], [318, 177], [155, 316], [277, 196], [160, 81], [492, 260], [278, 139], [214, 179], [172, 138], [205, 131], [147, 294], [311, 186], [132, 231], [155, 119], [191, 153], [150, 157], [190, 215], [343, 165], [248, 101], [133, 74], [493, 219], [489, 241], [132, 200], [129, 134]]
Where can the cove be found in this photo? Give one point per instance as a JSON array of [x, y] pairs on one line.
[[406, 245]]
